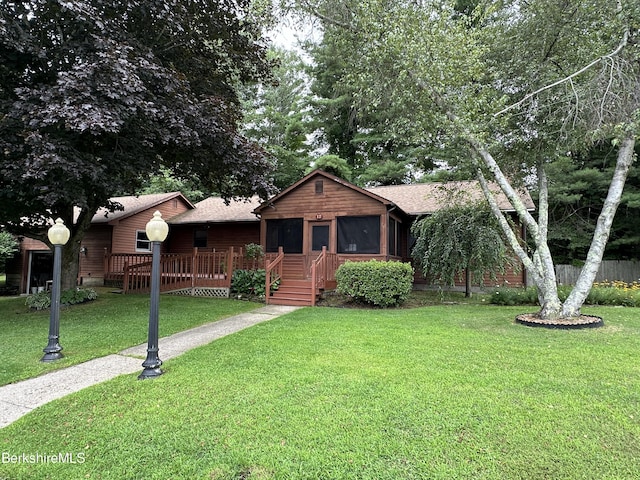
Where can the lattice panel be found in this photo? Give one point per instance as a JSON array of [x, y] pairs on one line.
[[215, 292]]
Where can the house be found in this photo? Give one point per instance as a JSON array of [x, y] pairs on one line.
[[121, 232], [319, 216]]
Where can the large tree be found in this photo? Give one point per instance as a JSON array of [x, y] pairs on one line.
[[541, 77], [277, 116], [94, 94]]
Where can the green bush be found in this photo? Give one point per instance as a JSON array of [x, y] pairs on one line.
[[613, 295], [383, 284], [248, 282], [38, 301], [42, 300], [77, 295]]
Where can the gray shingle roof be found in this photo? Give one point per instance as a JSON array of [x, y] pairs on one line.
[[416, 199], [134, 204], [427, 198], [214, 210]]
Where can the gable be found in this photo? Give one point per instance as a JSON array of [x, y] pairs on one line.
[[320, 192], [170, 204]]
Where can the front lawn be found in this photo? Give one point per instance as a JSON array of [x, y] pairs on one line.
[[440, 392], [107, 325]]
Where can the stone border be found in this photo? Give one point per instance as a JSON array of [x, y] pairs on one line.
[[584, 321]]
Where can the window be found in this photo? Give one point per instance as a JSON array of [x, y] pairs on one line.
[[285, 233], [319, 187], [200, 238], [142, 241], [393, 237], [359, 234]]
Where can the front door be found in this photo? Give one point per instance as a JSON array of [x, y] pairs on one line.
[[320, 236]]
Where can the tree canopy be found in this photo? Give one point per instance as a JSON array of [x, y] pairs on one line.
[[505, 88], [462, 240], [96, 95]]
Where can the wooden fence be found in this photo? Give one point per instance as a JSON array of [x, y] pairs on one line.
[[623, 270]]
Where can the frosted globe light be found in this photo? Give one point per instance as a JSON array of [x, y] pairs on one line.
[[157, 229], [58, 234]]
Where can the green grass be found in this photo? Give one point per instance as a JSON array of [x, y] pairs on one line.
[[442, 392], [102, 327]]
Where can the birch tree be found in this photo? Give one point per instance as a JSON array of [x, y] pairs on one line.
[[540, 77]]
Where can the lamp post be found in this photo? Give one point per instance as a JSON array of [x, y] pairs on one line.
[[157, 230], [58, 236]]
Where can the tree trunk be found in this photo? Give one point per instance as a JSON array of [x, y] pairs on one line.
[[467, 283], [70, 265], [71, 251], [588, 273]]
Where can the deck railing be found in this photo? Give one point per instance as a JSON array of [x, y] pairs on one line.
[[323, 271], [273, 272], [177, 271]]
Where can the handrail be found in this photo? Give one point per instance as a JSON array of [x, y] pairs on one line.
[[318, 274], [273, 273], [177, 271], [323, 270]]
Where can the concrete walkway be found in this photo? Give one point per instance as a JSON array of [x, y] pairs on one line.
[[18, 399]]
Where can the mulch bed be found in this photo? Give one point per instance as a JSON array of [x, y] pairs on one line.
[[583, 321]]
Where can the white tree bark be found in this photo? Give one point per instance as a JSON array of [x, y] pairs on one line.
[[588, 273]]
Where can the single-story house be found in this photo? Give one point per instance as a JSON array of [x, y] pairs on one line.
[[319, 213]]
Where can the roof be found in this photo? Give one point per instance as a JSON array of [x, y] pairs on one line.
[[134, 204], [416, 199], [427, 198], [328, 176], [214, 210]]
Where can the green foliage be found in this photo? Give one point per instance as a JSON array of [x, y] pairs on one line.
[[578, 185], [277, 116], [253, 251], [248, 282], [95, 95], [615, 294], [335, 165], [72, 296], [8, 246], [165, 181], [459, 238], [383, 284], [38, 301]]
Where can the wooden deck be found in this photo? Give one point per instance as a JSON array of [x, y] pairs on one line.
[[292, 279]]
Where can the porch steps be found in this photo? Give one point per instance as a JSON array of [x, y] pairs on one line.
[[293, 292]]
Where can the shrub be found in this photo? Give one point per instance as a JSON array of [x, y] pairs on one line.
[[38, 301], [607, 293], [382, 284], [72, 296], [248, 282], [253, 251], [77, 295]]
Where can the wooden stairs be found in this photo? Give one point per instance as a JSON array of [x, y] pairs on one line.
[[296, 292]]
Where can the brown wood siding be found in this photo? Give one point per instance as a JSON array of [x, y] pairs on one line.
[[336, 200], [123, 239], [220, 236], [18, 267], [96, 241]]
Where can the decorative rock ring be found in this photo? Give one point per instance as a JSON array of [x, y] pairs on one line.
[[583, 321]]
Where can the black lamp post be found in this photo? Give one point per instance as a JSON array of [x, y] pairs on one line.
[[157, 230], [58, 236]]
